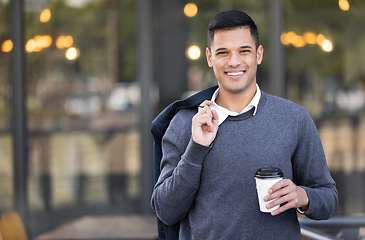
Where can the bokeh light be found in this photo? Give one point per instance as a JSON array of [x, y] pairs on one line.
[[30, 46], [64, 41], [310, 37], [298, 41], [193, 52], [344, 5], [72, 53], [38, 43], [7, 46], [327, 45], [320, 39], [45, 15], [190, 9], [284, 39]]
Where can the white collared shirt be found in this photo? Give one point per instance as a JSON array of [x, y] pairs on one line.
[[223, 113]]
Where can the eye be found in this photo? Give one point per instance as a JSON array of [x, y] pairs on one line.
[[245, 51], [222, 53]]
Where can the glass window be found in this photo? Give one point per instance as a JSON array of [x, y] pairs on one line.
[[6, 164], [82, 103], [324, 51]]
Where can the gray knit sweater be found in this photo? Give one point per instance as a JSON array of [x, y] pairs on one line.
[[211, 190]]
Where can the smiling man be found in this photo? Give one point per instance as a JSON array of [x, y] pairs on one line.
[[233, 55], [211, 152]]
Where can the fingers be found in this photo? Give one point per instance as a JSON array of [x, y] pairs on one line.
[[281, 188], [287, 193], [205, 116], [281, 209], [204, 120], [204, 124], [215, 118], [203, 107], [290, 200]]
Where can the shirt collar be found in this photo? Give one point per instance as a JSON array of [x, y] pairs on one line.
[[223, 113]]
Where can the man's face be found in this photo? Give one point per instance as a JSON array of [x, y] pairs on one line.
[[234, 59]]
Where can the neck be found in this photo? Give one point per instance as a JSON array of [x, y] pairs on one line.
[[235, 102]]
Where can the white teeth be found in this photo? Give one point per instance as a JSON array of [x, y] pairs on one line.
[[234, 74]]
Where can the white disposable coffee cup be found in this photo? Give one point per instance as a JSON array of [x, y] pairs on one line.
[[265, 179]]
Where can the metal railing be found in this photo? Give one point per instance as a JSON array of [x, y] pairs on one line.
[[312, 234], [348, 227]]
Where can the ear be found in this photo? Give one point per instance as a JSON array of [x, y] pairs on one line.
[[208, 54], [260, 54]]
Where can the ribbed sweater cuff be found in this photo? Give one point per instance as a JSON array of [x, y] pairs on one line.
[[195, 153]]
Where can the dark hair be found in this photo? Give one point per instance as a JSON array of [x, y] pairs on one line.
[[232, 19]]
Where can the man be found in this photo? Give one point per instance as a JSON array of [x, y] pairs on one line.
[[211, 153]]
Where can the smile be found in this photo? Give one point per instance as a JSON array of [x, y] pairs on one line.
[[234, 73]]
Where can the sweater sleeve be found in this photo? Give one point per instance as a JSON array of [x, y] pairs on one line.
[[311, 171], [179, 181]]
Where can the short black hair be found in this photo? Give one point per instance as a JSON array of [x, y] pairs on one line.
[[232, 19]]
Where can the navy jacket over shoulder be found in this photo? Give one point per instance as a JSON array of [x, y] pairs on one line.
[[158, 128]]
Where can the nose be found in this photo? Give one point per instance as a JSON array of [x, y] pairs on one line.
[[234, 60]]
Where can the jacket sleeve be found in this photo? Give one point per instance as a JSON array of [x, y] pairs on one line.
[[181, 167], [311, 171]]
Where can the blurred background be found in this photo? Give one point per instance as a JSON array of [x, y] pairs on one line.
[[76, 104]]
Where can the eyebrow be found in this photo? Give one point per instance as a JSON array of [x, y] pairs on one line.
[[222, 49]]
